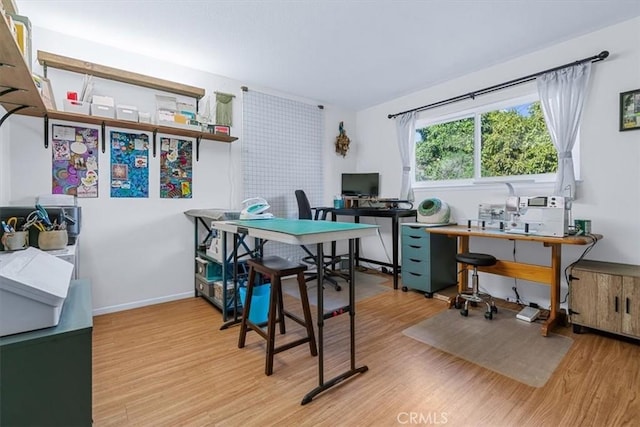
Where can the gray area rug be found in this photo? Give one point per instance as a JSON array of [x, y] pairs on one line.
[[367, 285], [505, 345]]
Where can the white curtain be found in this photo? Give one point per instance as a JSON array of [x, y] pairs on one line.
[[562, 94], [406, 130]]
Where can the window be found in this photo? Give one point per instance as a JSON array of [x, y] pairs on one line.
[[489, 143]]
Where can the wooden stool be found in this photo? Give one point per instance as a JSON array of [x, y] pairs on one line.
[[276, 267]]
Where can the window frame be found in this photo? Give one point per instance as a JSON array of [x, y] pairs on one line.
[[475, 112]]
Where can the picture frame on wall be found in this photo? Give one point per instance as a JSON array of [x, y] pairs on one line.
[[630, 110]]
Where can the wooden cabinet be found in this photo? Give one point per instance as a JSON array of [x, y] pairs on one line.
[[606, 296], [428, 260]]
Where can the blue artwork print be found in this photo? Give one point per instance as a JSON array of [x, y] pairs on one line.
[[129, 165], [175, 169]]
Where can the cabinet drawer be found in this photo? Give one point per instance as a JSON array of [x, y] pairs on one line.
[[416, 251], [413, 230], [204, 286], [208, 269], [408, 240], [415, 280], [415, 265]]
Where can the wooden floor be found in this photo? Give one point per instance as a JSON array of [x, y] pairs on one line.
[[170, 365]]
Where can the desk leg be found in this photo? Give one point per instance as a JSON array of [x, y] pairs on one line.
[[236, 318], [322, 385], [394, 238], [463, 276], [554, 312], [356, 219]]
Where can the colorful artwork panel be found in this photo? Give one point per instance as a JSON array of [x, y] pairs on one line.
[[74, 161], [129, 165], [176, 160]]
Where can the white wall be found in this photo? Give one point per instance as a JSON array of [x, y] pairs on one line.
[[610, 191], [140, 251], [5, 182]]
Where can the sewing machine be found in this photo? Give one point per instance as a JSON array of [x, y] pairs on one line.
[[539, 215]]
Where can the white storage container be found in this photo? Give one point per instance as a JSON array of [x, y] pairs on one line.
[[100, 110], [127, 112], [33, 287], [77, 107]]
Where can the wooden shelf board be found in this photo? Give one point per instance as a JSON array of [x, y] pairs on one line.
[[103, 71], [17, 75], [148, 127]]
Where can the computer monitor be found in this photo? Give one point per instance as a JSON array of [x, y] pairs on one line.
[[361, 184]]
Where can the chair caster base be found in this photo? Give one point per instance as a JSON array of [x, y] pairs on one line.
[[464, 312], [488, 315], [405, 289]]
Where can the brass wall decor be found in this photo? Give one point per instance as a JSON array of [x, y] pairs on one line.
[[342, 141]]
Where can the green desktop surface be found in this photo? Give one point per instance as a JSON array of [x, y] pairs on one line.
[[300, 227]]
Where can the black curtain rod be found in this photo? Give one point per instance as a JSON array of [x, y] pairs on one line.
[[596, 58]]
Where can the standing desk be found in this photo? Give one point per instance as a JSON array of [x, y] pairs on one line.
[[549, 275], [307, 232], [395, 214]]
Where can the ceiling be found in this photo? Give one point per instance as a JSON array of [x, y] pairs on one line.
[[349, 53]]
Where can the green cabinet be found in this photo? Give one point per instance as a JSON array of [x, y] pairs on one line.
[[428, 260], [46, 374]]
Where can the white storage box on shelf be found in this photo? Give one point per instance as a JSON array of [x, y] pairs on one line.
[[77, 107], [33, 287], [105, 111], [127, 112]]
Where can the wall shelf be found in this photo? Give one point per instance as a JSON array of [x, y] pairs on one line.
[[19, 94], [60, 62], [15, 74]]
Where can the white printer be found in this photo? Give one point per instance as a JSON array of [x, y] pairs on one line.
[[33, 287]]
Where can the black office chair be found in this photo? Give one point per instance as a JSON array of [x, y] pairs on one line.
[[305, 211]]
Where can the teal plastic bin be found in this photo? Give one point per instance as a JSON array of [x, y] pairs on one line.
[[259, 302]]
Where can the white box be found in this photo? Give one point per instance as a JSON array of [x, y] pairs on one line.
[[127, 112], [103, 100], [77, 107], [33, 287], [144, 117], [528, 314], [166, 103], [165, 116], [217, 290], [100, 110], [216, 248]]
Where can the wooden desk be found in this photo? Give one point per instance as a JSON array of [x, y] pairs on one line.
[[549, 275], [395, 214]]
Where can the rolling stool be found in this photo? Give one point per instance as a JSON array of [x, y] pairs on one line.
[[476, 260], [275, 268]]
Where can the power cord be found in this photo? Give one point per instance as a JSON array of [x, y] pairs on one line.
[[567, 274], [515, 280]]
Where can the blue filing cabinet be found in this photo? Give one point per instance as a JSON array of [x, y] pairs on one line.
[[428, 260]]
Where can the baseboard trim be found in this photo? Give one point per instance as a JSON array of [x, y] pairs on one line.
[[141, 303]]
